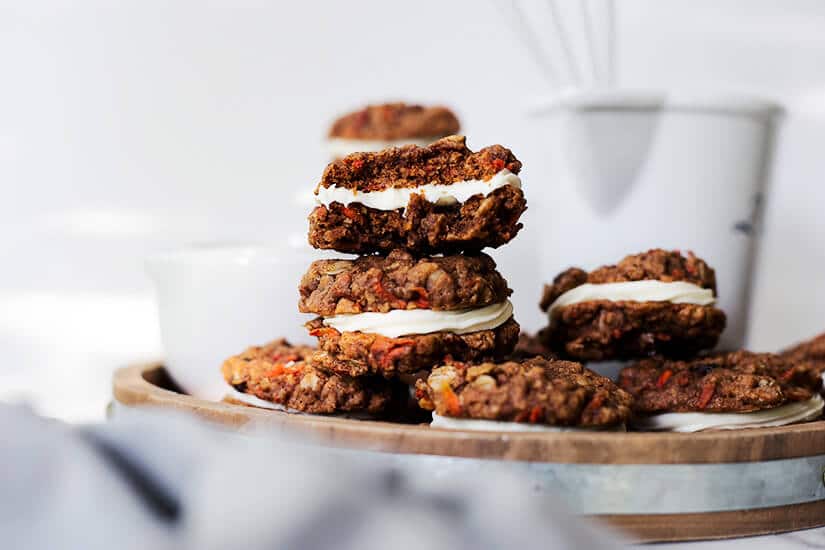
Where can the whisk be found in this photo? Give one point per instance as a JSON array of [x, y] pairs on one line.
[[580, 52]]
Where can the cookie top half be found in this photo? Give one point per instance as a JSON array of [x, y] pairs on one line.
[[535, 391], [739, 381], [395, 121], [443, 162]]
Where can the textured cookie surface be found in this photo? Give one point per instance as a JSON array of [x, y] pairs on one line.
[[278, 372], [395, 121], [401, 281], [536, 390], [726, 382], [445, 162]]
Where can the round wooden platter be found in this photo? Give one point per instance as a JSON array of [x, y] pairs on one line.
[[654, 486]]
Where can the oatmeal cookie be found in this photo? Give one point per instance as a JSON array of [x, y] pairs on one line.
[[535, 391]]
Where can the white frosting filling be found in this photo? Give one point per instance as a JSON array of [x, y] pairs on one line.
[[400, 322], [697, 421], [249, 399], [257, 401], [677, 292], [502, 426], [341, 147], [393, 198]]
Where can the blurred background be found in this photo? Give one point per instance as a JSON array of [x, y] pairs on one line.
[[130, 127]]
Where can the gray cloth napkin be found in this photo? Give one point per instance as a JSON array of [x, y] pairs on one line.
[[160, 480]]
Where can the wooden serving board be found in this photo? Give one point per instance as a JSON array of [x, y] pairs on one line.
[[676, 486]]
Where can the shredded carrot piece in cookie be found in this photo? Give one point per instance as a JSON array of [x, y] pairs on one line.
[[388, 296], [423, 300], [323, 331], [389, 349], [351, 214], [392, 355], [280, 369], [451, 401], [596, 402], [788, 374], [284, 357], [707, 394]]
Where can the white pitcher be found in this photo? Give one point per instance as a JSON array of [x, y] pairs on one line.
[[629, 171]]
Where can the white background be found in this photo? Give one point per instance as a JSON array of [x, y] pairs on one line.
[[133, 126]]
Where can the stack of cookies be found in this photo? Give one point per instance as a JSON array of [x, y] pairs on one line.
[[658, 308], [422, 304], [421, 292]]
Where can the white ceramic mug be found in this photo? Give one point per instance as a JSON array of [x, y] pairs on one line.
[[631, 171], [216, 300]]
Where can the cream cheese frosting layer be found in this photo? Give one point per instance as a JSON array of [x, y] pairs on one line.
[[341, 147], [789, 413], [394, 198], [257, 401], [502, 426], [676, 292], [254, 401], [400, 322]]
